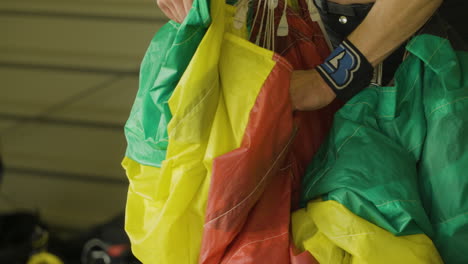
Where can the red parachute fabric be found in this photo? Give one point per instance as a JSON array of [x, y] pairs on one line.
[[252, 188]]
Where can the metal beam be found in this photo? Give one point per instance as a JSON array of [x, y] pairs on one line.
[[67, 176], [68, 68], [45, 115], [80, 16], [61, 122]]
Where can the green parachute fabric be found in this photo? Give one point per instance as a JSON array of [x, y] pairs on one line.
[[165, 61], [398, 156], [231, 103]]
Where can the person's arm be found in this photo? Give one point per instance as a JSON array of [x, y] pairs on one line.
[[386, 27], [176, 10], [389, 24]]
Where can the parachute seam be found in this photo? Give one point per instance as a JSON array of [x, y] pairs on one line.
[[189, 38], [365, 103], [388, 91], [256, 241], [410, 90], [370, 233], [418, 76], [256, 187], [173, 25], [328, 169], [346, 141], [452, 218], [192, 109], [435, 110], [447, 104], [393, 201]]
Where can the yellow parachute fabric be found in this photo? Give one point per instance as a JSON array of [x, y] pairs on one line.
[[333, 234], [210, 106]]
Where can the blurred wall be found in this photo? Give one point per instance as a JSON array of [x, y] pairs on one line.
[[68, 77]]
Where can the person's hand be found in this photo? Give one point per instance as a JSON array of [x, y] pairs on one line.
[[309, 91], [176, 10]]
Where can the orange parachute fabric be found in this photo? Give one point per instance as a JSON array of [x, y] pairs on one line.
[[252, 187]]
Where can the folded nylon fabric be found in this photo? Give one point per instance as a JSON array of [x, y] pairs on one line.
[[397, 156], [235, 155], [214, 111], [165, 61], [253, 186], [333, 234]]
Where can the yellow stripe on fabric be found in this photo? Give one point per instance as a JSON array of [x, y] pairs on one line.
[[211, 108], [333, 234], [243, 68], [231, 18]]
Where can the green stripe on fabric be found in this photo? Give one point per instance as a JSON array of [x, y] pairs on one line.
[[166, 59]]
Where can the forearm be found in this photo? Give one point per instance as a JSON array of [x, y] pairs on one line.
[[389, 24]]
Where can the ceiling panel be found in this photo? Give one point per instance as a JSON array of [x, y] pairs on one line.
[[77, 96], [62, 202], [122, 8], [4, 124], [72, 149], [27, 91], [72, 42], [76, 35], [68, 78], [110, 104]]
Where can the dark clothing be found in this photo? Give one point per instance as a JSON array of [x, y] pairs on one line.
[[332, 15], [452, 11], [331, 12]]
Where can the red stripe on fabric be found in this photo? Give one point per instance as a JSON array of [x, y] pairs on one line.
[[253, 187], [239, 177]]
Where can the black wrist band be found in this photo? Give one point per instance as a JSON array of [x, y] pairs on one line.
[[346, 71]]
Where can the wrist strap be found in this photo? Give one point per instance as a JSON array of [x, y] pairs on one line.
[[346, 71]]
